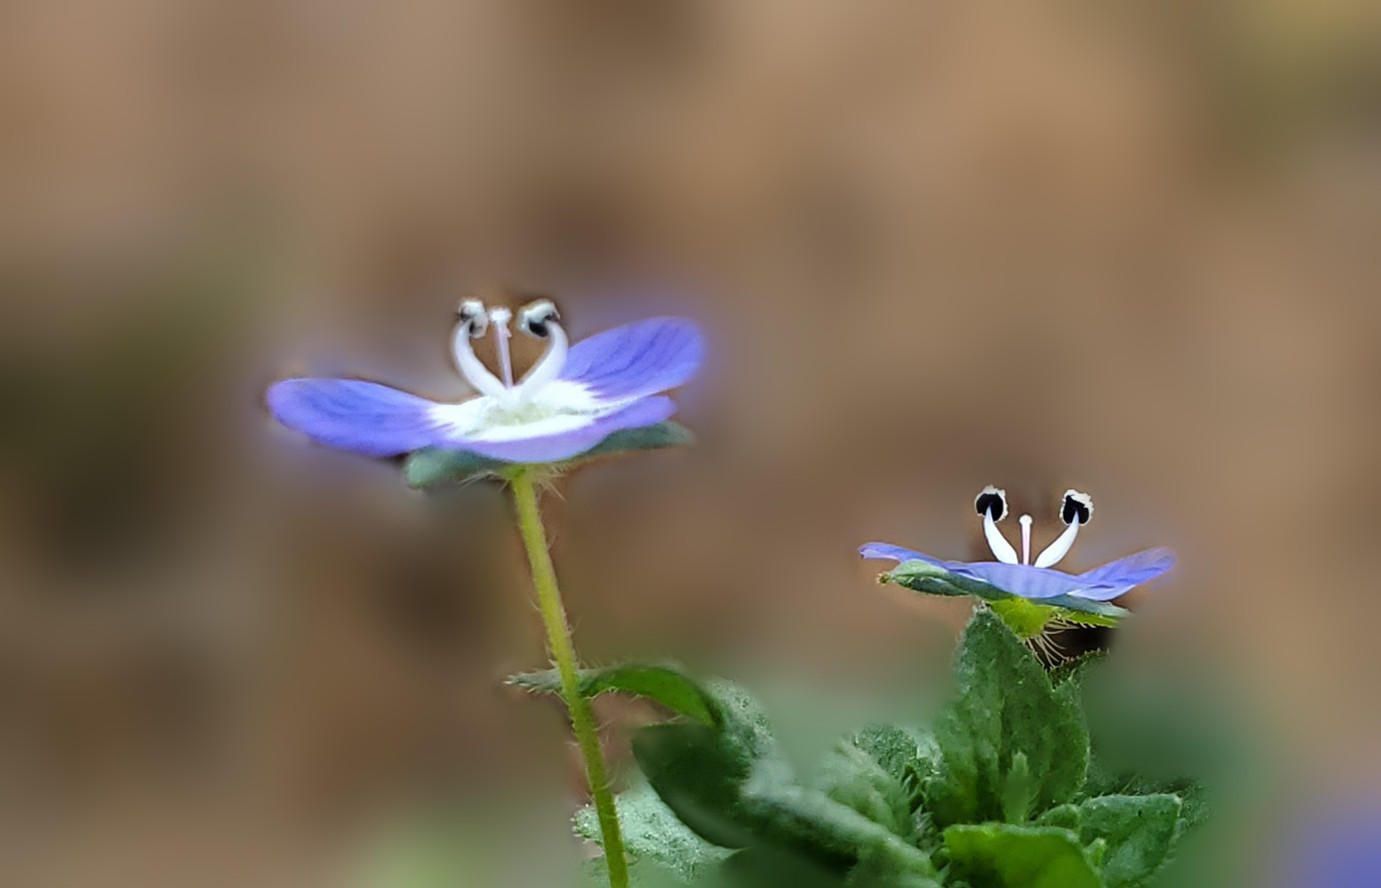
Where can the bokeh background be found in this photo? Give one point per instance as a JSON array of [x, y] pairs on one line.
[[1129, 247]]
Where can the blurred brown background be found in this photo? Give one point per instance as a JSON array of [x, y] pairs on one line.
[[1129, 247]]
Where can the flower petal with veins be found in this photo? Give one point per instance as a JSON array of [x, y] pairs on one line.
[[578, 397]]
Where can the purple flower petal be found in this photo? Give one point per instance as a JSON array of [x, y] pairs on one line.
[[1100, 584], [636, 359], [1116, 577], [352, 414], [896, 553], [1018, 579], [565, 444], [1022, 579], [1337, 849]]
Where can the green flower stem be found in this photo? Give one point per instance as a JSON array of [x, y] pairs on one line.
[[563, 652]]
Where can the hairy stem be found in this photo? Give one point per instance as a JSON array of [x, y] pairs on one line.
[[563, 653]]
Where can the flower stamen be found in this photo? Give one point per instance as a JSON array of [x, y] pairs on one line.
[[1025, 521], [1075, 509], [473, 324], [541, 321], [991, 503]]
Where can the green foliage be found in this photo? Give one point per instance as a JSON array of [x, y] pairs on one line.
[[853, 778], [907, 753], [1003, 855], [1139, 831], [1011, 743], [666, 684], [431, 466], [655, 838], [998, 794]]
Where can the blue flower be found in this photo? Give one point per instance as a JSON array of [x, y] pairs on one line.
[[1338, 848], [572, 399], [1038, 581]]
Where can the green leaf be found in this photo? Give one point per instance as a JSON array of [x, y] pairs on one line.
[[736, 796], [919, 576], [431, 466], [1001, 855], [1016, 797], [651, 832], [1140, 831], [1136, 833], [1005, 706], [908, 754], [642, 873], [722, 775], [768, 867], [666, 684], [852, 777], [1193, 796], [1065, 816], [871, 872], [725, 778]]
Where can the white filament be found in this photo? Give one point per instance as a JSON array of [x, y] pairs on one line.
[[1002, 550], [1058, 549], [549, 366], [475, 373], [1025, 538]]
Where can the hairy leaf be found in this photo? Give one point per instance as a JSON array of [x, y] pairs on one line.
[[1006, 710], [723, 776], [664, 683], [850, 776], [651, 832], [1140, 831]]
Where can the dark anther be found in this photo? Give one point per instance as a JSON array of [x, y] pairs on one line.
[[991, 502], [1075, 508]]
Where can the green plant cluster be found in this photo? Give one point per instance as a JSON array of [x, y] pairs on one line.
[[998, 792]]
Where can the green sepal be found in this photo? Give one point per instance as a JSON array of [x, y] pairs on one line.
[[921, 576], [1003, 855], [1077, 668], [431, 466]]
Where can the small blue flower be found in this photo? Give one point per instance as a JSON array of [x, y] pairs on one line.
[[572, 398], [1039, 582], [1338, 848]]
